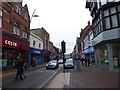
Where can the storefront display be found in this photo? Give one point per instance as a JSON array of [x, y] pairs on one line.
[[104, 55], [37, 54], [10, 50]]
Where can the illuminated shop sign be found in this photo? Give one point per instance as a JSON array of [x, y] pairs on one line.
[[6, 42], [11, 43]]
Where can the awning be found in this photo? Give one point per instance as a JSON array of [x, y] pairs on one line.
[[89, 50]]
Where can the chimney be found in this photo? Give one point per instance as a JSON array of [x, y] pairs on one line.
[[89, 22]]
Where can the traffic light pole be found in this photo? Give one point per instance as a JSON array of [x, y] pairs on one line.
[[63, 51], [63, 63]]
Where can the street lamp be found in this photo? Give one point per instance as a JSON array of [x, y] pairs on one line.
[[33, 15]]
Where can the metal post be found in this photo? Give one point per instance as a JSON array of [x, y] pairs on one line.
[[63, 63]]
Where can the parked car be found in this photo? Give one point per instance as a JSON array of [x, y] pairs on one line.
[[69, 63], [60, 61], [53, 64]]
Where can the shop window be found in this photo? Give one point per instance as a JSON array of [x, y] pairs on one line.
[[16, 29], [104, 55], [115, 49], [107, 23], [112, 10], [106, 12], [114, 21]]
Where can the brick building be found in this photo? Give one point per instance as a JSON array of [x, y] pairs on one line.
[[14, 28], [81, 42], [53, 50]]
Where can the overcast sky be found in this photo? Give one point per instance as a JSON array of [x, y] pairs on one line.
[[62, 19]]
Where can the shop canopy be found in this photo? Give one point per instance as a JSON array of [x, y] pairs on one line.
[[89, 50]]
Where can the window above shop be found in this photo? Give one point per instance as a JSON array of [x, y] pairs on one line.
[[25, 16], [1, 13], [0, 18], [39, 45], [16, 29], [34, 43], [18, 9], [24, 34]]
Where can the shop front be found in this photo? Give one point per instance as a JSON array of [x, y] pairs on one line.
[[109, 55], [89, 52], [10, 50], [107, 50], [37, 54]]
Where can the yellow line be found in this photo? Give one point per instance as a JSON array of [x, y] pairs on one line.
[[7, 74], [60, 80]]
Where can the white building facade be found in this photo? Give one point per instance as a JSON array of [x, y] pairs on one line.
[[106, 32], [36, 42], [36, 48]]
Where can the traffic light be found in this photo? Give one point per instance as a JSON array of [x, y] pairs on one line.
[[63, 47]]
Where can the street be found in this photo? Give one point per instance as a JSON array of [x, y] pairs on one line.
[[35, 78], [86, 77]]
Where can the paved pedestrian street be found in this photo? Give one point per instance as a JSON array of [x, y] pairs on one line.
[[60, 80], [88, 77]]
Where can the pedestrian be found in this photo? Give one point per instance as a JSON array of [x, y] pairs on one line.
[[19, 67], [33, 62], [25, 66], [82, 60], [93, 61], [88, 61], [85, 60]]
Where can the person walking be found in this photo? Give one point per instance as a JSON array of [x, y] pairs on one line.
[[33, 62], [19, 67], [85, 60], [88, 61], [82, 60]]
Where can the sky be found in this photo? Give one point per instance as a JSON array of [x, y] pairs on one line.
[[62, 19]]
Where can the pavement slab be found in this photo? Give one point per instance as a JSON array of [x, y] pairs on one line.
[[60, 80], [94, 80]]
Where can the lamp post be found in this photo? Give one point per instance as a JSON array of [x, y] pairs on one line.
[[29, 56], [33, 15]]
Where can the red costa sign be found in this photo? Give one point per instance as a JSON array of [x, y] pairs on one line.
[[14, 44]]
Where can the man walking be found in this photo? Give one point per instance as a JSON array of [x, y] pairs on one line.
[[82, 60], [19, 67]]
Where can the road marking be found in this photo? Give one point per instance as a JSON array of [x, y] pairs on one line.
[[45, 82]]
